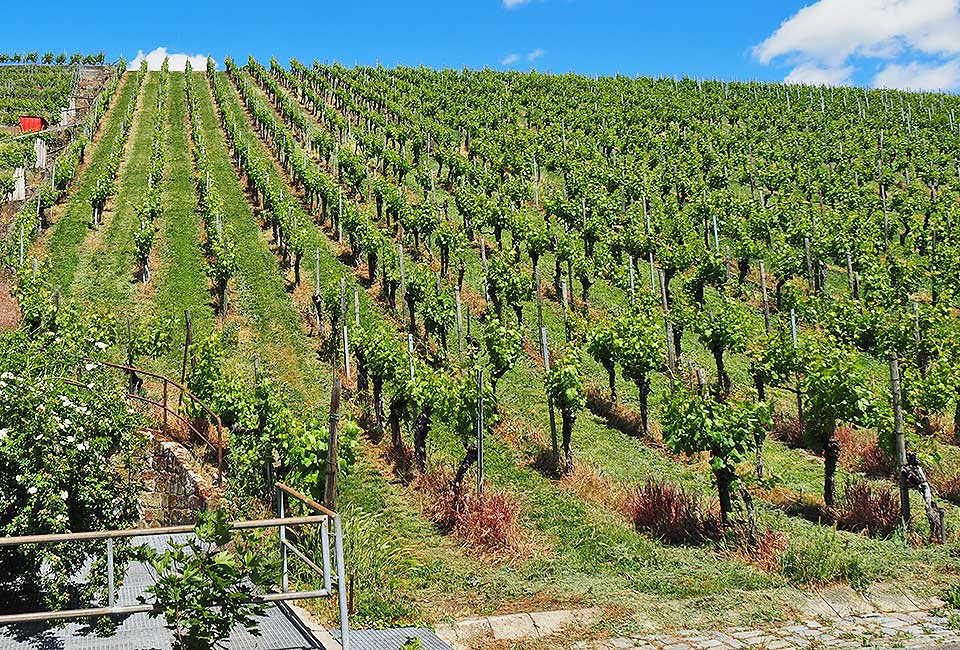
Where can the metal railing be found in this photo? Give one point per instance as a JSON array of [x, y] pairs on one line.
[[324, 570], [168, 412]]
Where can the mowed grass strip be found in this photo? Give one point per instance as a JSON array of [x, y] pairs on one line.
[[107, 269], [389, 517], [73, 221], [181, 278], [259, 292]]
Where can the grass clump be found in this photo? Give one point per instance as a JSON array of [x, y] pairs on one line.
[[822, 557], [488, 521]]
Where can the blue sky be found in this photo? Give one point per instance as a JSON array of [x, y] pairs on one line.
[[896, 43]]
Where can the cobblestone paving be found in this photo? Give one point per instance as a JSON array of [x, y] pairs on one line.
[[909, 631]]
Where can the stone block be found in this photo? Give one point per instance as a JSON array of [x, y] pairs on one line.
[[512, 627]]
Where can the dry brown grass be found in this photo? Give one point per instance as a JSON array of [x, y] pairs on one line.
[[763, 551], [488, 522], [592, 485], [862, 452]]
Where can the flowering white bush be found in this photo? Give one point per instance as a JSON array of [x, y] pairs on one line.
[[70, 460]]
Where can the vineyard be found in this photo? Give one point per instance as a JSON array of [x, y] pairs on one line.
[[680, 350]]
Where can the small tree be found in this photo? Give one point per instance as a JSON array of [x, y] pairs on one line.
[[204, 587], [224, 265], [430, 393], [694, 423], [639, 355], [461, 411], [383, 363], [723, 330], [565, 388]]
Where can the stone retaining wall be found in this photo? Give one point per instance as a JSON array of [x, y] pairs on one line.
[[174, 490]]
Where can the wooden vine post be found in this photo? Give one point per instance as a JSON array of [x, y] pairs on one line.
[[333, 468], [456, 293], [667, 325], [480, 431], [343, 321], [900, 444], [766, 299], [545, 353], [793, 336]]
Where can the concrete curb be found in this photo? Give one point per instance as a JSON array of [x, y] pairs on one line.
[[514, 627]]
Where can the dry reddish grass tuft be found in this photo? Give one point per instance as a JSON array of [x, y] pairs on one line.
[[400, 461], [763, 551], [670, 513], [946, 482], [487, 522], [862, 452], [870, 509], [787, 429]]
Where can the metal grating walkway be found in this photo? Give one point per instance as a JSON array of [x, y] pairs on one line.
[[279, 629], [392, 639]]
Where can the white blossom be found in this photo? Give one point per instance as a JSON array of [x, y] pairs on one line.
[[100, 345], [32, 489]]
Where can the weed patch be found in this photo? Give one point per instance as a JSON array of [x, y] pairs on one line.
[[822, 558]]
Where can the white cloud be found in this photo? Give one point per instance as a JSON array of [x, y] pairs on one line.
[[510, 59], [824, 39], [177, 60], [534, 55], [510, 4], [830, 31], [811, 73], [919, 76]]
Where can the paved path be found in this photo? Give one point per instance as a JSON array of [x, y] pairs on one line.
[[279, 630], [915, 630], [884, 617]]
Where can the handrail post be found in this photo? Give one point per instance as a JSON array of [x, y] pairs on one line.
[[110, 581], [165, 405], [325, 549], [219, 451], [341, 585], [281, 496]]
